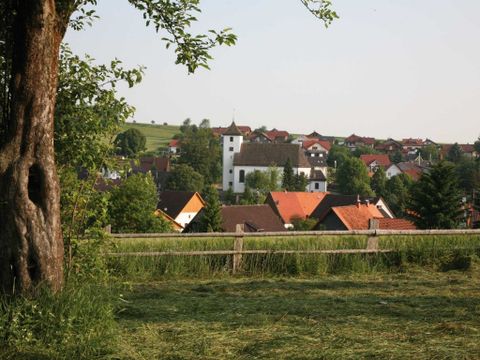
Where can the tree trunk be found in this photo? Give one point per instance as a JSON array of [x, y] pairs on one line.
[[31, 242]]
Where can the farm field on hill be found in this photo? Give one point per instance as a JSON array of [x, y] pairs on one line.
[[157, 135], [422, 314]]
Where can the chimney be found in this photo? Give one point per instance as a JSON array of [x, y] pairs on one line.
[[367, 202], [358, 201]]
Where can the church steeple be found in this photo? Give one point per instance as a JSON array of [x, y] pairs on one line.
[[232, 143], [233, 130]]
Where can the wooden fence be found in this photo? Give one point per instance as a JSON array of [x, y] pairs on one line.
[[237, 252]]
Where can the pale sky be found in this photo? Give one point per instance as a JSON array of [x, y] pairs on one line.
[[386, 68]]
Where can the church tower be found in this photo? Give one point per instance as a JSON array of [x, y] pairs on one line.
[[232, 142]]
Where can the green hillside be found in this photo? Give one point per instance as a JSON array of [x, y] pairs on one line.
[[157, 135]]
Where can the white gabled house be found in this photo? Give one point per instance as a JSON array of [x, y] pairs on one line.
[[393, 170]]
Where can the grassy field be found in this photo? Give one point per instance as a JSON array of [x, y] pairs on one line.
[[440, 252], [420, 314], [157, 135]]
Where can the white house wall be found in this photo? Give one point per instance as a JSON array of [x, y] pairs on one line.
[[392, 171], [184, 218], [239, 187], [322, 186]]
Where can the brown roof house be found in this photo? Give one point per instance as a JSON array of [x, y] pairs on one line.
[[249, 218], [241, 158], [355, 141], [181, 206]]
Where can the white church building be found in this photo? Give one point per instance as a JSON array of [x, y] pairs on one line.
[[241, 158]]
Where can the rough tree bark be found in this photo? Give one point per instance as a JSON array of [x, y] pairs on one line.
[[31, 242]]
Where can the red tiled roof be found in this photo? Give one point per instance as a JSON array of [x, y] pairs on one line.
[[325, 144], [395, 224], [291, 205], [414, 173], [412, 142], [357, 217], [174, 143], [355, 138], [275, 134], [381, 159]]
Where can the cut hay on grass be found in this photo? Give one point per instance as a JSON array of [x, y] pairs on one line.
[[420, 314]]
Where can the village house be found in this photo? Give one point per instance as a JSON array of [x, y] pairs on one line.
[[360, 217], [290, 205], [353, 142], [174, 146], [389, 146], [467, 149], [374, 161], [181, 206], [333, 200], [271, 136], [241, 158], [247, 218]]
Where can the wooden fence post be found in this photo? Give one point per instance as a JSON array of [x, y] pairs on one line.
[[237, 247], [372, 242]]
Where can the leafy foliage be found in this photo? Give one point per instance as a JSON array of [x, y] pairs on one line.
[[337, 155], [397, 194], [288, 179], [201, 150], [364, 150], [378, 182], [175, 17], [211, 220], [322, 10], [352, 178], [396, 157], [430, 153], [436, 199], [89, 111], [300, 224], [300, 182], [229, 197], [130, 142], [132, 206], [184, 178], [455, 153], [468, 173]]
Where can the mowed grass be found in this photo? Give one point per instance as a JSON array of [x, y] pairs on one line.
[[156, 135], [421, 314]]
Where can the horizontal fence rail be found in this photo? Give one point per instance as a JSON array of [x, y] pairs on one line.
[[237, 252], [298, 233]]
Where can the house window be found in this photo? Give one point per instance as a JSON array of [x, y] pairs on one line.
[[230, 148], [230, 184], [241, 176], [231, 138], [230, 171], [317, 186]]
